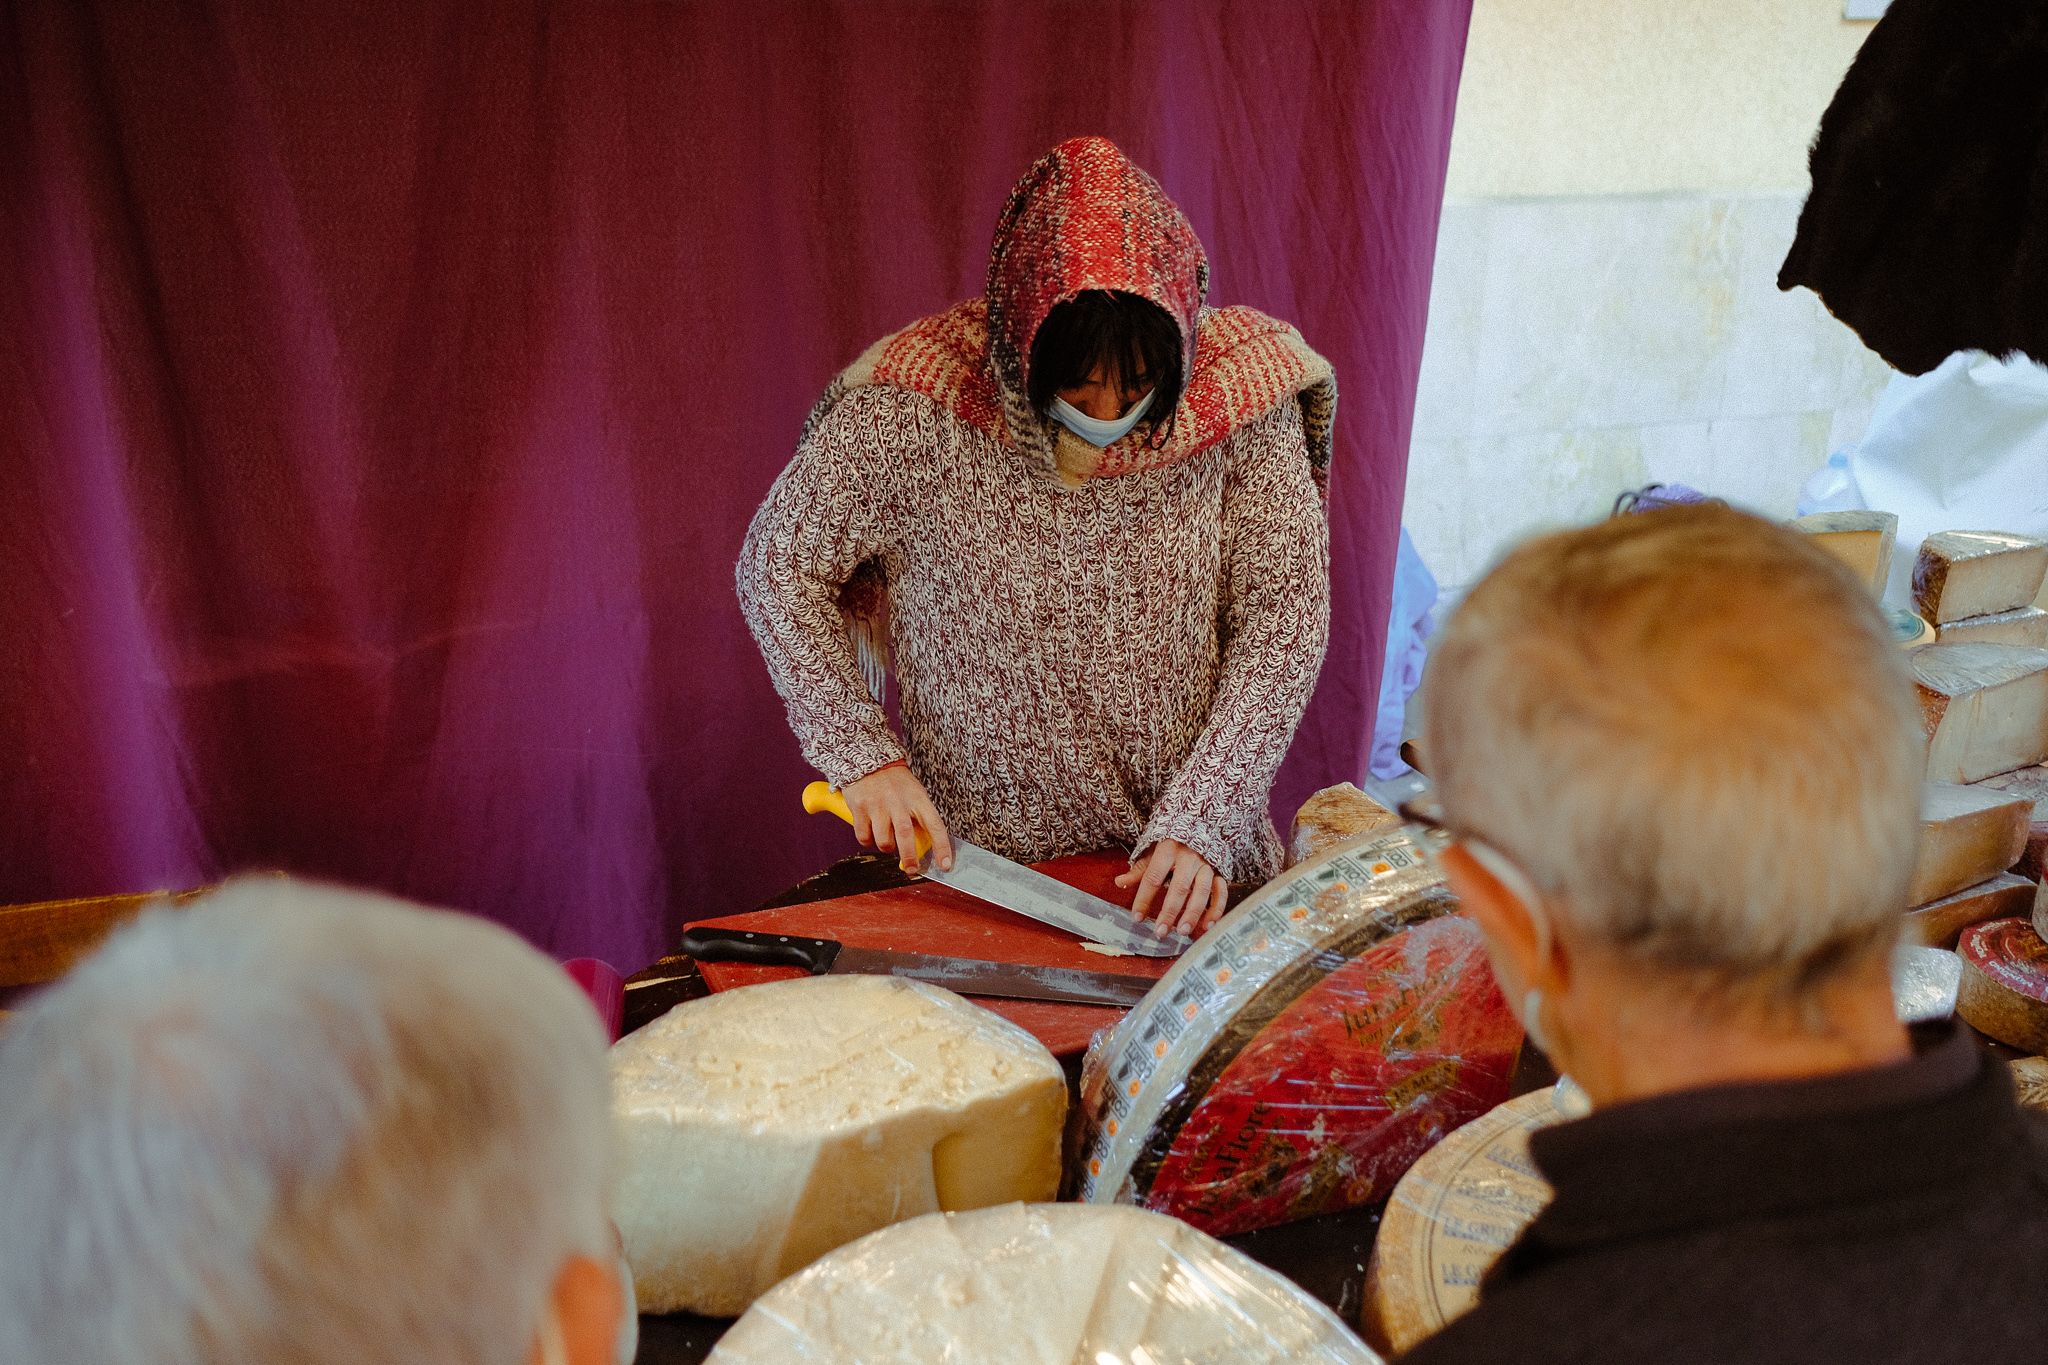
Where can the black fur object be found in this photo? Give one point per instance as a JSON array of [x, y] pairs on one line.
[[1927, 227]]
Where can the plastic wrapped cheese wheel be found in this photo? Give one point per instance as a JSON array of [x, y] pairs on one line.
[[762, 1127], [1039, 1284], [1302, 1055]]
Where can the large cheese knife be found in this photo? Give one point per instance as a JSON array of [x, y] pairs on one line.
[[1029, 892], [968, 976]]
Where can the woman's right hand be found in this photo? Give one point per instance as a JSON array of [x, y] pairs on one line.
[[889, 807]]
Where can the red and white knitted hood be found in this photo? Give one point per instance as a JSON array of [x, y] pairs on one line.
[[1085, 217]]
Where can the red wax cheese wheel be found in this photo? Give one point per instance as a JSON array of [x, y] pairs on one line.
[[2004, 992]]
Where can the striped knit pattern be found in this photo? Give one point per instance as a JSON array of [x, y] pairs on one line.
[[1114, 663]]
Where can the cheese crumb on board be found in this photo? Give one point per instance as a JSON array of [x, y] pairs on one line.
[[1966, 835], [1861, 539], [762, 1127], [1985, 708], [1040, 1284], [1937, 923], [2026, 626], [2004, 992], [1976, 573]]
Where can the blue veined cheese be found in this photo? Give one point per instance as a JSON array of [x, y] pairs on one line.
[[1039, 1284], [762, 1127]]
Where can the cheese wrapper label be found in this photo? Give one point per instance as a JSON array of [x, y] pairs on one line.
[[1961, 574], [2004, 992]]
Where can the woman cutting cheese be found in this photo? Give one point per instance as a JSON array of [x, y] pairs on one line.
[[1090, 510]]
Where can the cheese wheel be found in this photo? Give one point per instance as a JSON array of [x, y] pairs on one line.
[[1966, 835], [1961, 574], [1450, 1218], [1985, 708], [2004, 992], [1859, 538], [1041, 1284], [762, 1127], [1302, 1055], [2025, 626], [1937, 923]]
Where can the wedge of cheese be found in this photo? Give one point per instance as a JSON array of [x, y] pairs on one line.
[[762, 1127], [1044, 1284], [1966, 835], [1937, 923], [1961, 574], [1862, 540], [1985, 708], [1335, 815], [2004, 992], [2022, 626], [2031, 783]]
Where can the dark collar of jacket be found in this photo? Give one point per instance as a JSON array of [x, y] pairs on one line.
[[1701, 1158]]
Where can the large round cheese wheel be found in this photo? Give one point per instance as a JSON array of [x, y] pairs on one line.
[[762, 1127], [1039, 1284], [1304, 1052], [1450, 1218], [2004, 990]]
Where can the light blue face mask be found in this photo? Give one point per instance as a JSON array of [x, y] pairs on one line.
[[1094, 430]]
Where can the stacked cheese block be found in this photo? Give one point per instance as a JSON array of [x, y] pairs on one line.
[[1984, 698]]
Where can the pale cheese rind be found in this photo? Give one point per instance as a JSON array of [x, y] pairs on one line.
[[1937, 923], [1861, 539], [2031, 783], [762, 1127], [1039, 1284], [1961, 574], [1966, 835], [1985, 708], [2026, 626]]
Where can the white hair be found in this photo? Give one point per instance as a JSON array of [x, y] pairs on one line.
[[1692, 730], [295, 1123]]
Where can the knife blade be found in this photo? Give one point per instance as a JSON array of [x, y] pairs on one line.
[[1027, 891], [964, 975]]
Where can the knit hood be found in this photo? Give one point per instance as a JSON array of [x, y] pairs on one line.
[[1086, 217]]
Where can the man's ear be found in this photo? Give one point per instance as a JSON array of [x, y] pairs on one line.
[[1526, 955], [587, 1304]]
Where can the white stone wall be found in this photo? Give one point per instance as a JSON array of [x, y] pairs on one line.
[[1581, 346]]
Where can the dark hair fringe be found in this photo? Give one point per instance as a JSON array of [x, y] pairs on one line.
[[1128, 334]]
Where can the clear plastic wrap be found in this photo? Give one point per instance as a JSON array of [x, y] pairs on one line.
[[1039, 1284], [1335, 815], [1452, 1215], [1303, 1053]]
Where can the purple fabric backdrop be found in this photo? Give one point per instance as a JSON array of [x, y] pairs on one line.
[[385, 388]]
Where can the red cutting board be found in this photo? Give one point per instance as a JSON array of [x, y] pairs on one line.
[[926, 917]]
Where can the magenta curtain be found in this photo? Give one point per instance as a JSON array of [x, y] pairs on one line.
[[385, 388]]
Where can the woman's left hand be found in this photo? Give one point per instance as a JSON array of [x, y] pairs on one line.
[[1194, 893]]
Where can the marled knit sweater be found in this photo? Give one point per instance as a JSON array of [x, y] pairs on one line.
[[1117, 663]]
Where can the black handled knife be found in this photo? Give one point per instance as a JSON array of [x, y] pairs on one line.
[[968, 976]]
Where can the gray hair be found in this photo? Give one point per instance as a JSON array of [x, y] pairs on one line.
[[1692, 730], [295, 1123]]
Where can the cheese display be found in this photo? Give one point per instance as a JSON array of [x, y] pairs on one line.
[[1450, 1218], [1039, 1284], [1335, 815], [1863, 540], [1303, 1054], [2026, 626], [1976, 573], [2004, 992], [1985, 708], [2031, 783], [762, 1127], [1966, 835], [1937, 923]]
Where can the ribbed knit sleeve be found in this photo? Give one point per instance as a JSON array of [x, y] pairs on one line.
[[827, 514], [1276, 626]]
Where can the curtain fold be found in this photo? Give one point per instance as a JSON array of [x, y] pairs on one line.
[[385, 388]]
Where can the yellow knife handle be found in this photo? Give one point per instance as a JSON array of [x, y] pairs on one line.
[[822, 797]]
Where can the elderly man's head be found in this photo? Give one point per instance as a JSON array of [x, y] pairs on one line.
[[1691, 731], [298, 1124]]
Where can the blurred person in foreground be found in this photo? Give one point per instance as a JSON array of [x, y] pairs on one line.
[[1679, 759], [297, 1124]]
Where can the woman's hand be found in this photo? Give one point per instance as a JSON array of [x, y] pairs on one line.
[[1195, 893], [889, 807]]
